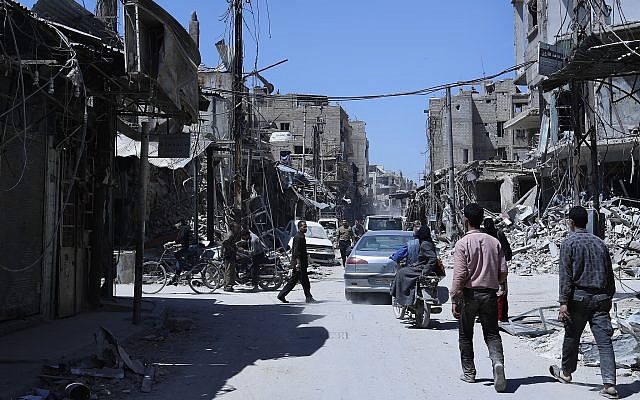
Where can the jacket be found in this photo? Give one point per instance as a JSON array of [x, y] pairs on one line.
[[299, 256]]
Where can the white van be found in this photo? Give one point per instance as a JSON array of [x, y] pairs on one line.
[[383, 223]]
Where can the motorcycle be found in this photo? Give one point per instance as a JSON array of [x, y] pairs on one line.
[[271, 274], [429, 298]]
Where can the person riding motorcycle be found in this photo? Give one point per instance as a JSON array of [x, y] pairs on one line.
[[404, 283]]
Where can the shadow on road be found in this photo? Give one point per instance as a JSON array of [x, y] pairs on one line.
[[228, 338], [513, 384]]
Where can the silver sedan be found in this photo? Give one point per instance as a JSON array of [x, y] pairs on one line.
[[369, 268]]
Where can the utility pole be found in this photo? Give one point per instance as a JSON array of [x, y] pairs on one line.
[[452, 228], [107, 12], [238, 114], [304, 138], [583, 94], [194, 32], [140, 233]]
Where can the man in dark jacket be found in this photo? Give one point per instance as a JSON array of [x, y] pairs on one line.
[[587, 286], [299, 264], [183, 238]]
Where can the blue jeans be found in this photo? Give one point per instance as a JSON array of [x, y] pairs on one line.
[[593, 308]]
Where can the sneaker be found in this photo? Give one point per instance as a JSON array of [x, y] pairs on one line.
[[609, 392], [228, 289], [557, 373], [282, 299], [311, 300], [499, 381], [468, 378]]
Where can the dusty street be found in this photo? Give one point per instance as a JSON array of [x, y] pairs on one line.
[[249, 346]]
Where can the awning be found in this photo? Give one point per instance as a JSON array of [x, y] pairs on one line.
[[309, 202], [527, 119], [598, 59], [127, 147]]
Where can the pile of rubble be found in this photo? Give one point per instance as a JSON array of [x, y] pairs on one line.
[[626, 340], [536, 241]]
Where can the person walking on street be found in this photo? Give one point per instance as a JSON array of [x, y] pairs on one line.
[[299, 264], [257, 250], [345, 238], [357, 230], [479, 268], [229, 252], [587, 286], [503, 290]]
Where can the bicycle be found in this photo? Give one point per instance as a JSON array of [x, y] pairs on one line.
[[203, 275]]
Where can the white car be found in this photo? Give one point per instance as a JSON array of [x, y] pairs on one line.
[[319, 246], [330, 225]]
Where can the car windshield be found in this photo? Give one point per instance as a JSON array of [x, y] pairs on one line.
[[385, 224], [316, 232], [329, 224], [389, 243]]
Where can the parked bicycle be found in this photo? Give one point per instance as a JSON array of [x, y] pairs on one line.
[[201, 273]]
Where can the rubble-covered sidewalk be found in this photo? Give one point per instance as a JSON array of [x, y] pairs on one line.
[[27, 353]]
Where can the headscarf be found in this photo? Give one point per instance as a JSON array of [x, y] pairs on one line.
[[424, 233], [490, 227]]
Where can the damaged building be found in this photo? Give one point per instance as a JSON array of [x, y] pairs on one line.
[[56, 158]]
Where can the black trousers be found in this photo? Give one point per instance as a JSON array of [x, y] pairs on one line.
[[256, 262], [298, 276], [480, 303], [344, 246]]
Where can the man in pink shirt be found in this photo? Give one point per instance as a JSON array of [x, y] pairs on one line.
[[479, 268]]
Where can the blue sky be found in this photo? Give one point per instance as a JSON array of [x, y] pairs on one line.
[[358, 47]]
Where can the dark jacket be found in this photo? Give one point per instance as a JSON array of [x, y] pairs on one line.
[[585, 264], [184, 236], [427, 257], [230, 247], [299, 256], [506, 246]]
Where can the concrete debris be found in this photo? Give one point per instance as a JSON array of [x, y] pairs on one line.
[[626, 348], [536, 240]]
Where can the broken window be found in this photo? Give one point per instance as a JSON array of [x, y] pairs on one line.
[[517, 108], [521, 134], [500, 128], [297, 149], [285, 126]]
